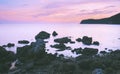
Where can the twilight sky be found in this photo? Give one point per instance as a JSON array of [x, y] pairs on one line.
[[55, 11]]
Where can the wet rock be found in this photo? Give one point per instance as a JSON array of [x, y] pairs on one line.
[[78, 39], [97, 71], [87, 40], [10, 45], [30, 52], [96, 43], [4, 46], [103, 52], [60, 46], [77, 50], [72, 42], [23, 42], [6, 58], [89, 51], [54, 33], [39, 45], [42, 35], [63, 40]]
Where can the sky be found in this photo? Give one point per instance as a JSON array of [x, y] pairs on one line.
[[56, 11]]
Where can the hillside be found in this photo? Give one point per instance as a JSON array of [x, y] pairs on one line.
[[115, 19]]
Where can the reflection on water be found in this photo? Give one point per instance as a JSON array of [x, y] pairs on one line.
[[107, 35]]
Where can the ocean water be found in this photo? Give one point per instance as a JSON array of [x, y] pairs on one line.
[[107, 35]]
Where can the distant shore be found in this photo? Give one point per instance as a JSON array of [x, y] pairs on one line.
[[115, 19]]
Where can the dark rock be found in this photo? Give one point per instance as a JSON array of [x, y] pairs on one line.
[[10, 45], [63, 40], [4, 46], [103, 52], [96, 43], [39, 45], [42, 35], [72, 42], [30, 52], [23, 42], [89, 51], [116, 52], [77, 50], [78, 39], [60, 46], [54, 33], [87, 40], [6, 58]]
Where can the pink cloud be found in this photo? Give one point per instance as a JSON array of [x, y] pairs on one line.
[[58, 11]]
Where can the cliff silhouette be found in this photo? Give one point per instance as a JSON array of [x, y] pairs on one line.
[[115, 19]]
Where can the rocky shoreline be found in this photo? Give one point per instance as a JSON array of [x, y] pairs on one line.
[[33, 58]]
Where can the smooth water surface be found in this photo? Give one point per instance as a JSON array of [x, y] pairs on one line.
[[107, 35]]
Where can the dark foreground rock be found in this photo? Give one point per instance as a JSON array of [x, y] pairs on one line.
[[33, 59], [6, 58], [23, 42]]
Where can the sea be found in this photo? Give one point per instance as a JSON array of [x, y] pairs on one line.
[[107, 34]]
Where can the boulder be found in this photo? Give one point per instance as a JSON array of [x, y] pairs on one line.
[[42, 35], [78, 39], [96, 43], [87, 40], [39, 46], [30, 52], [63, 40], [72, 42], [6, 58], [77, 50], [23, 42], [54, 33], [60, 46], [10, 45], [89, 51]]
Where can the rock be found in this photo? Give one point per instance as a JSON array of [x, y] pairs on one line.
[[103, 52], [4, 46], [89, 51], [10, 45], [72, 42], [60, 46], [96, 43], [54, 33], [97, 71], [78, 39], [62, 40], [87, 40], [42, 35], [30, 52], [23, 42], [77, 50], [39, 46], [25, 53], [6, 58]]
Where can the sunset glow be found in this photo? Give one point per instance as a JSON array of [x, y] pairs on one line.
[[55, 11]]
